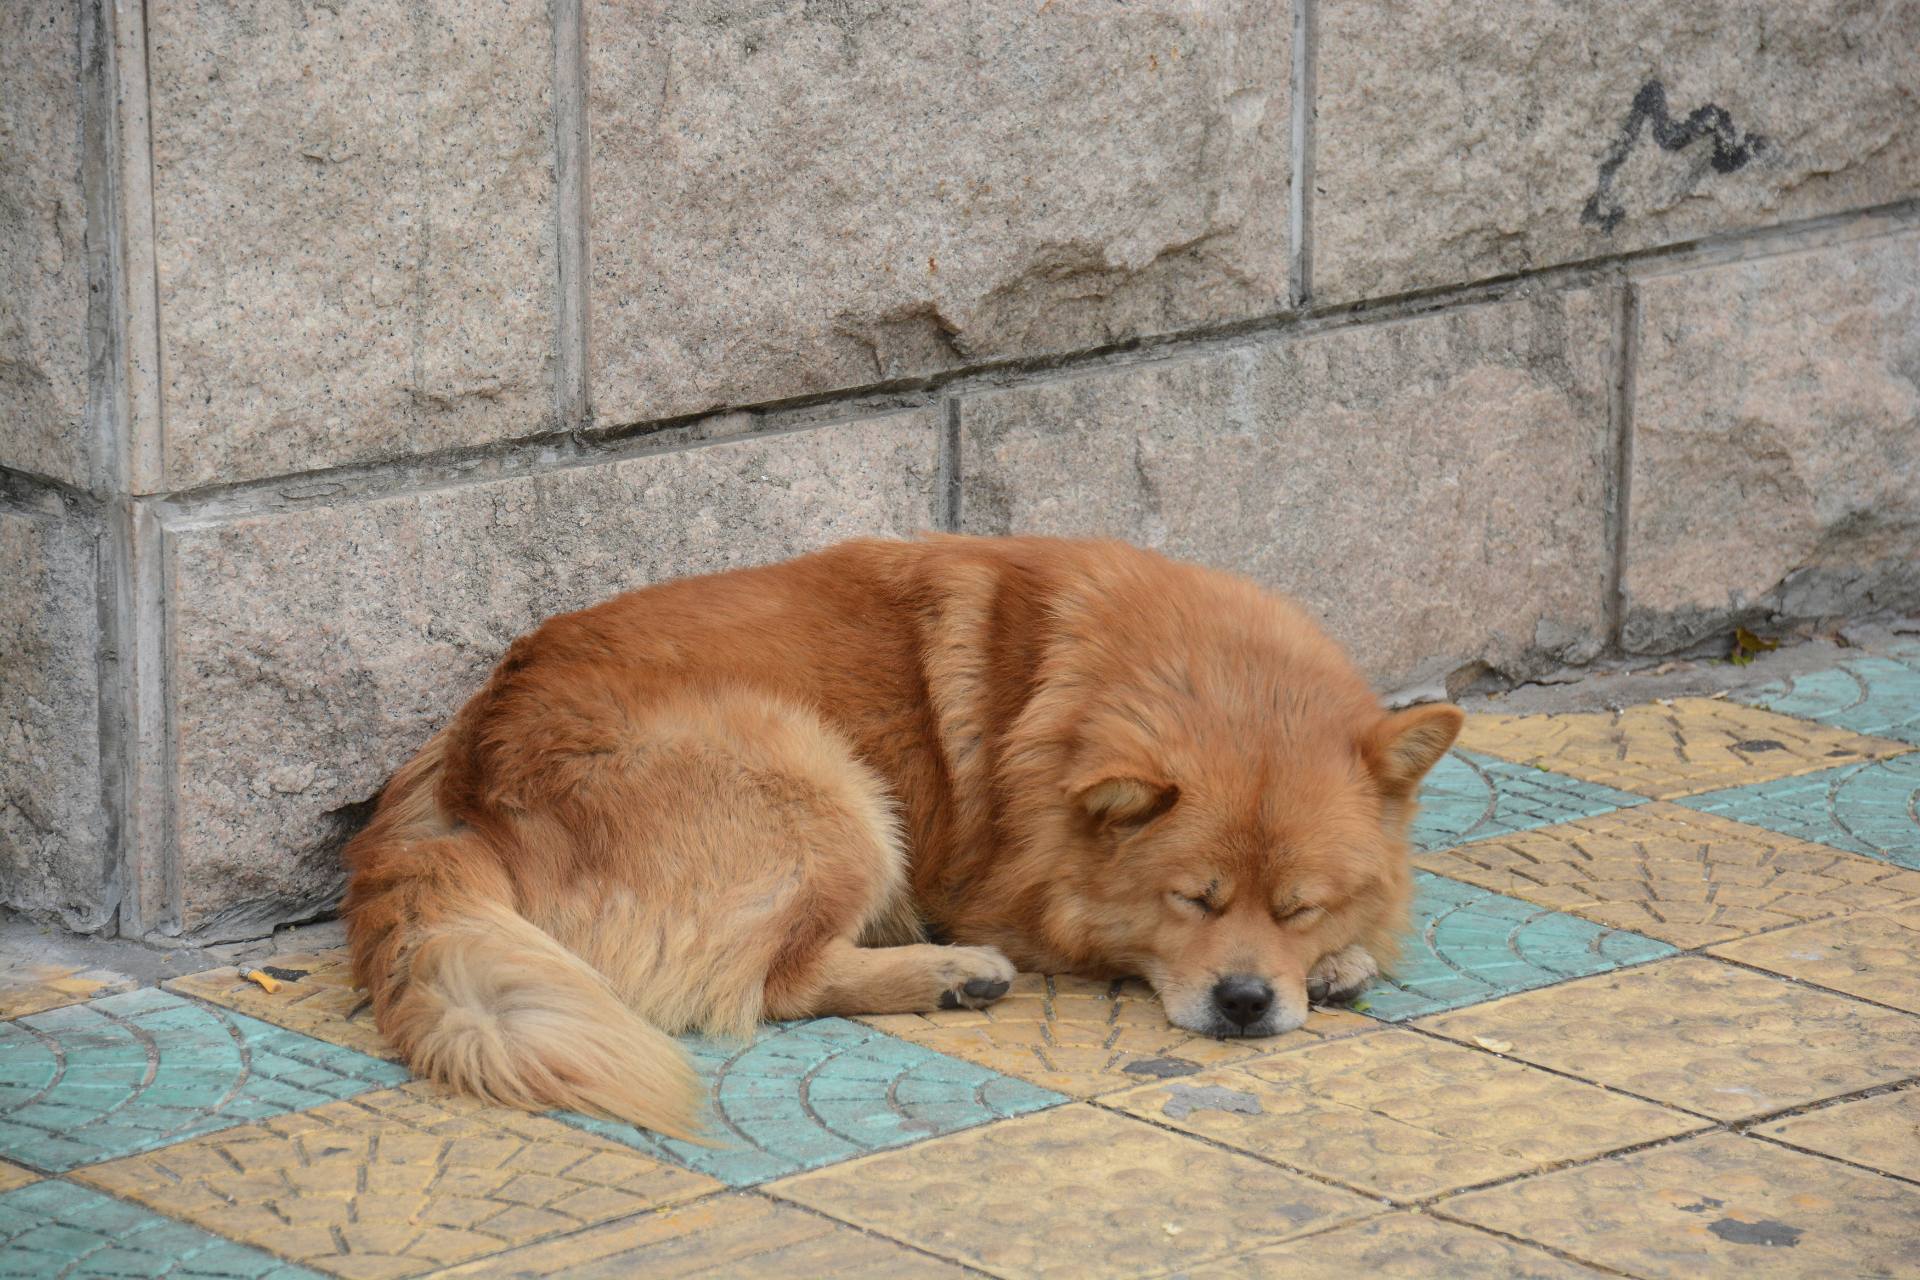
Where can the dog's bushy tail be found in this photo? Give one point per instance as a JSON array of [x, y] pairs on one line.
[[494, 1007], [475, 996]]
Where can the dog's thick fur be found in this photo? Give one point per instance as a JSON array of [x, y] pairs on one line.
[[758, 794]]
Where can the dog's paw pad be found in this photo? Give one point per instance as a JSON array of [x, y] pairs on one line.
[[985, 988]]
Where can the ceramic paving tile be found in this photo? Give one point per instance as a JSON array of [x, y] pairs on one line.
[[1470, 944], [1871, 808], [397, 1182], [12, 1175], [1399, 1246], [1871, 954], [1870, 694], [1714, 1206], [1701, 1035], [1075, 1192], [739, 1237], [33, 988], [1676, 749], [805, 1094], [1403, 1115], [1881, 1132], [324, 1003], [1084, 1038], [58, 1229], [1672, 873], [135, 1071], [1469, 796]]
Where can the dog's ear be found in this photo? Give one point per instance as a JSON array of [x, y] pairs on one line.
[[1122, 803], [1408, 743]]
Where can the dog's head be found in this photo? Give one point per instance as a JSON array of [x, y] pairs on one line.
[[1230, 806], [1223, 886]]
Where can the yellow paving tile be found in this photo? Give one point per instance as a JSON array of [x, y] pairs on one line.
[[26, 989], [1873, 954], [1401, 1245], [1077, 1191], [318, 1004], [1697, 1034], [1403, 1115], [1689, 746], [1668, 872], [396, 1182], [1085, 1038], [12, 1175], [741, 1237], [1882, 1132], [1714, 1206]]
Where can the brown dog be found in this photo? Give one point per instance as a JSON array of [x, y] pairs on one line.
[[755, 795]]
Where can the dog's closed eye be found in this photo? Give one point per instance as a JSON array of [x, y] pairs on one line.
[[1296, 912], [1206, 901]]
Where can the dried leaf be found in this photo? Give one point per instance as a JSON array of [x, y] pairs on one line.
[[1492, 1045]]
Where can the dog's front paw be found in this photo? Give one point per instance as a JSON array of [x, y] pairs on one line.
[[1340, 977], [973, 977]]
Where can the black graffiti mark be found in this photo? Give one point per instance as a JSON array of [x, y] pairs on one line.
[[1731, 152]]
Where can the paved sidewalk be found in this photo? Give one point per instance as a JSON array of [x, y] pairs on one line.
[[1661, 1018]]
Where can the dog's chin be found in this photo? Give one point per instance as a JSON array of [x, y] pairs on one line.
[[1210, 1022]]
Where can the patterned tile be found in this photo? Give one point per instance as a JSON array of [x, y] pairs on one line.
[[1471, 945], [58, 1229], [32, 988], [1872, 954], [1871, 808], [131, 1072], [1075, 1192], [1710, 1207], [1402, 1115], [1882, 1132], [1399, 1246], [1677, 749], [739, 1237], [1469, 796], [12, 1175], [1084, 1038], [1693, 1033], [324, 1004], [1871, 695], [805, 1094], [397, 1182], [1672, 873]]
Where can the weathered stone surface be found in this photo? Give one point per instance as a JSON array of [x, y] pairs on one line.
[[791, 197], [54, 858], [43, 270], [1432, 487], [1776, 455], [315, 650], [353, 214], [1460, 141]]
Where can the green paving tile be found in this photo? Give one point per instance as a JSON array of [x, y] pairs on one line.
[[132, 1072], [1872, 695], [1472, 944], [1871, 808], [1469, 796], [59, 1229], [806, 1094]]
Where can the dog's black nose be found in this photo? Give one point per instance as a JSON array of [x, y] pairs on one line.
[[1242, 998]]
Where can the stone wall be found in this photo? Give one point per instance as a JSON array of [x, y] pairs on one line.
[[340, 341]]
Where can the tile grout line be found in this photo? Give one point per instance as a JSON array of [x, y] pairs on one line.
[[871, 1233], [445, 468], [1303, 105], [573, 407]]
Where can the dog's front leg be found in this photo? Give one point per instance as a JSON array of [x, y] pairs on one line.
[[1339, 977]]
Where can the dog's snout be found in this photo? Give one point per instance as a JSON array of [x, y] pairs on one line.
[[1242, 999]]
